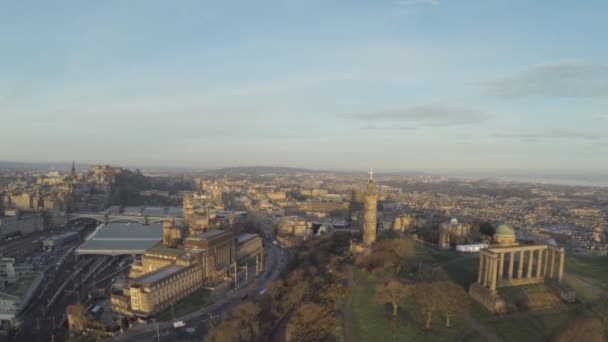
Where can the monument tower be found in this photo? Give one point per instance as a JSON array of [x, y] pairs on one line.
[[73, 173], [370, 212]]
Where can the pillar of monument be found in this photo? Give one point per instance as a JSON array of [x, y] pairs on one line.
[[560, 270], [511, 261], [539, 264], [546, 253], [552, 268], [520, 269], [486, 270], [480, 272], [530, 263], [501, 264], [494, 267]]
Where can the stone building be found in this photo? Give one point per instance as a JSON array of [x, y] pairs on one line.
[[370, 212], [21, 223], [506, 263], [292, 225], [167, 274], [450, 231], [216, 195], [404, 223], [218, 252]]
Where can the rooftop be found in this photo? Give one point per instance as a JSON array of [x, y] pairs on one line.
[[21, 286], [245, 237], [211, 234], [63, 235], [505, 229], [120, 238], [158, 275], [160, 248]]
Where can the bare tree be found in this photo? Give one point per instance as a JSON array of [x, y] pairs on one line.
[[393, 292], [428, 301], [452, 300], [311, 322]]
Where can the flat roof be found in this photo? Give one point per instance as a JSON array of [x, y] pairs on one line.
[[159, 274], [245, 237], [167, 250], [211, 234], [61, 236], [119, 238], [22, 285]]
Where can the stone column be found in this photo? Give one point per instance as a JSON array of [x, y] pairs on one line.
[[530, 263], [501, 266], [539, 264], [552, 269], [560, 270], [511, 261], [480, 272], [546, 253], [494, 267], [486, 270], [520, 270]]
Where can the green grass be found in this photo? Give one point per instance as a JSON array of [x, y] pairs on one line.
[[594, 268], [586, 292], [193, 302], [462, 270], [372, 320], [473, 336]]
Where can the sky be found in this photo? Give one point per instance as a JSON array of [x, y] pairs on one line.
[[443, 86]]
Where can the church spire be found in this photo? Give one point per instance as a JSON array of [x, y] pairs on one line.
[[73, 169]]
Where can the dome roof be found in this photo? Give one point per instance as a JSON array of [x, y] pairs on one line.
[[505, 229]]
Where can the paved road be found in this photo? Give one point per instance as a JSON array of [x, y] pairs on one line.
[[276, 260]]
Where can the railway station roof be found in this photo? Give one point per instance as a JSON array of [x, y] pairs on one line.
[[119, 238]]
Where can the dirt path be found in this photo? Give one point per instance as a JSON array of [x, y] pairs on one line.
[[347, 309]]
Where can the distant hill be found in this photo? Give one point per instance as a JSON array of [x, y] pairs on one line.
[[9, 165], [256, 171]]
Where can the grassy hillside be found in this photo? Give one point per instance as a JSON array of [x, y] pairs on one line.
[[371, 321]]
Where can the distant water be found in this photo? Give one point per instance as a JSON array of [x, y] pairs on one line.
[[559, 181]]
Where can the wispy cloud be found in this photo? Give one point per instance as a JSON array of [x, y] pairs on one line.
[[430, 115], [411, 3], [555, 134], [387, 128], [561, 80]]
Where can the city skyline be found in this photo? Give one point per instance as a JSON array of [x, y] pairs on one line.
[[423, 85]]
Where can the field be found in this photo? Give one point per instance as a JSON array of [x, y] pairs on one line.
[[195, 301], [371, 321]]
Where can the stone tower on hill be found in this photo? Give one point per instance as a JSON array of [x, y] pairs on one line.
[[370, 212]]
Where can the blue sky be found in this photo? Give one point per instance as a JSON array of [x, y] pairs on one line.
[[446, 86]]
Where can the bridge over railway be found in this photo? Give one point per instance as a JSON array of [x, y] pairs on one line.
[[109, 218]]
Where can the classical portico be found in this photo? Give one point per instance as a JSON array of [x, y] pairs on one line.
[[521, 265], [506, 263]]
